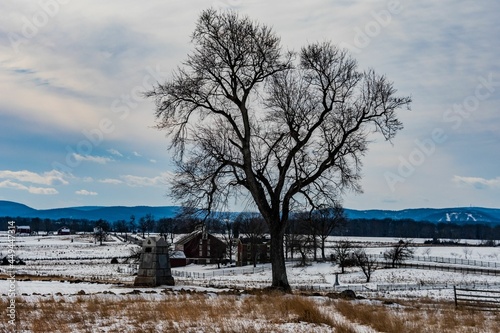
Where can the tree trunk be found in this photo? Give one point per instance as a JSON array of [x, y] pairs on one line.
[[323, 249], [315, 246], [280, 279]]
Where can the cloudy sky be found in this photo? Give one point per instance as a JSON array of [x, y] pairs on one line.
[[74, 129]]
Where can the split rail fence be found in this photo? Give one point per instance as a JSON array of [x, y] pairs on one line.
[[475, 298]]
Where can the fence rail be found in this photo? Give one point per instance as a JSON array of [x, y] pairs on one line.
[[476, 298], [457, 261], [72, 258], [446, 260], [222, 272], [456, 269]]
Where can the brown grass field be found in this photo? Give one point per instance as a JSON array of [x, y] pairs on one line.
[[254, 311]]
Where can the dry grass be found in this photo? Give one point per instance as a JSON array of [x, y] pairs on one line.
[[257, 312], [171, 312], [426, 316]]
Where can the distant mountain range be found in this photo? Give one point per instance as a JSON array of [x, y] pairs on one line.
[[112, 213], [461, 215]]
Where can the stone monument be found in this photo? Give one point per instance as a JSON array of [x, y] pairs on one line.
[[154, 266]]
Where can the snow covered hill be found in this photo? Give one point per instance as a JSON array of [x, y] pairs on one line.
[[455, 215], [114, 213]]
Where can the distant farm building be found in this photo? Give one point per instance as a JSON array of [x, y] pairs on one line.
[[23, 230], [253, 250], [178, 259], [64, 231], [201, 247]]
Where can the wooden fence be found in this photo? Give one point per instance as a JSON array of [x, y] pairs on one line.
[[451, 268], [219, 272], [475, 298], [445, 260]]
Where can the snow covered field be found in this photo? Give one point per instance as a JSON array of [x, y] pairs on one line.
[[79, 257], [68, 284], [63, 267]]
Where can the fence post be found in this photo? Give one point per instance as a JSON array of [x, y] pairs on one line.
[[455, 295]]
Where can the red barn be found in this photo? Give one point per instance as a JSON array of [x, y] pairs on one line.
[[177, 259], [23, 230], [252, 251], [64, 231], [201, 248]]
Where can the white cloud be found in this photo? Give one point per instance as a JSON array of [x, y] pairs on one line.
[[90, 158], [13, 185], [42, 190], [115, 152], [110, 181], [152, 160], [30, 189], [85, 192], [432, 50], [47, 178], [138, 181], [477, 182]]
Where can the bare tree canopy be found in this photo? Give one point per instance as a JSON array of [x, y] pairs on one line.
[[399, 252], [288, 129]]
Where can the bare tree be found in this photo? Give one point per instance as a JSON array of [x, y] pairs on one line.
[[467, 252], [253, 227], [301, 237], [131, 223], [399, 252], [304, 245], [134, 255], [324, 221], [101, 230], [167, 228], [146, 224], [291, 237], [289, 129], [367, 264], [343, 253], [228, 235], [143, 226]]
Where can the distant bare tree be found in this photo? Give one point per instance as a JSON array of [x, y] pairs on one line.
[[289, 129], [120, 226], [324, 221], [166, 227], [367, 264], [343, 253], [101, 230], [304, 245], [302, 236], [467, 252], [134, 254], [399, 252], [131, 223], [253, 227], [146, 224], [228, 236]]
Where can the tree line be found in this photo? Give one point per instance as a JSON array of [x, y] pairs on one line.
[[304, 231], [408, 228]]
